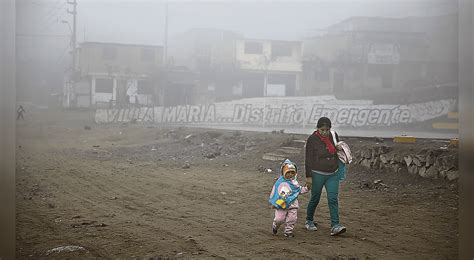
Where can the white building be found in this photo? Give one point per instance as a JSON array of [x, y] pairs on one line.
[[116, 74], [269, 67]]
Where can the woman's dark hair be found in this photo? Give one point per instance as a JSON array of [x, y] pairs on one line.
[[323, 121]]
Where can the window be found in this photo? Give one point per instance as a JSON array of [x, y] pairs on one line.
[[147, 55], [281, 50], [104, 86], [253, 48], [145, 87], [109, 52]]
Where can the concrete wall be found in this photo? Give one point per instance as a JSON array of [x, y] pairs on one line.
[[295, 111]]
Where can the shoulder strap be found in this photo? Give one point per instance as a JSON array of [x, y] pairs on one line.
[[333, 133]]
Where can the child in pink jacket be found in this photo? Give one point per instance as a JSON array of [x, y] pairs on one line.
[[284, 198]]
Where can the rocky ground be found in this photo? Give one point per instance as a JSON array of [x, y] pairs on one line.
[[132, 191]]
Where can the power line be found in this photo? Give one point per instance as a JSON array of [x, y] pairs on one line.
[[50, 20], [51, 11]]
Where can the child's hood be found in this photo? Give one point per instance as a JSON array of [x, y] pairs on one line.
[[287, 166]]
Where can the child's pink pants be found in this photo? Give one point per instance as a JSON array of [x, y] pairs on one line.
[[288, 217]]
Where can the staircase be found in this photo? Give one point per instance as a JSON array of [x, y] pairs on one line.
[[295, 148]]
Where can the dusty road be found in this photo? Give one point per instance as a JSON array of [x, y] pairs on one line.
[[131, 191]]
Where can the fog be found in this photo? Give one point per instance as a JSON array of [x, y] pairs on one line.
[[384, 52], [109, 106]]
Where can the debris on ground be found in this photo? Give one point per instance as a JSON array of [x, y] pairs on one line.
[[62, 249]]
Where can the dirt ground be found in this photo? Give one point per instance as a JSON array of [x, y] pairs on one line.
[[148, 192]]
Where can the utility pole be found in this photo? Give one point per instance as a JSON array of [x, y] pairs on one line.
[[164, 75], [73, 47], [165, 42]]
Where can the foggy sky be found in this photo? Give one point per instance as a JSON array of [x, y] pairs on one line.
[[41, 23], [142, 22]]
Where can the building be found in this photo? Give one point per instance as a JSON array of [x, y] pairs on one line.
[[113, 74], [228, 66], [268, 68], [210, 55], [363, 55]]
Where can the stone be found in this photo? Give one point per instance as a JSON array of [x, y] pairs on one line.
[[378, 181], [396, 168], [442, 174], [413, 169], [398, 158], [408, 160], [429, 160], [376, 162], [366, 163], [432, 173], [374, 152], [421, 158], [437, 163], [65, 249], [452, 175], [422, 172], [383, 159], [186, 166], [417, 161]]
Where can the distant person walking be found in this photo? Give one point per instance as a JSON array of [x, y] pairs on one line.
[[20, 112], [321, 168]]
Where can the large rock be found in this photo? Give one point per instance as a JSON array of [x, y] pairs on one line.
[[442, 174], [397, 158], [413, 169], [408, 160], [432, 173], [421, 158], [366, 163], [429, 160], [452, 175], [422, 172], [374, 152], [416, 161], [376, 162], [437, 163], [383, 159]]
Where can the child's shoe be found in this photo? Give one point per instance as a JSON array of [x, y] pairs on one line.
[[310, 225], [274, 230], [337, 230], [289, 234]]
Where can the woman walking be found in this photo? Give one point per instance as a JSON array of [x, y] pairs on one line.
[[321, 165]]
